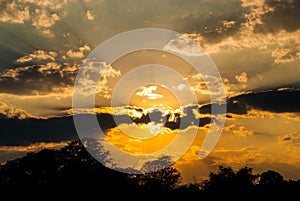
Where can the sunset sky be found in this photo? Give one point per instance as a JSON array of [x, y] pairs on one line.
[[255, 45]]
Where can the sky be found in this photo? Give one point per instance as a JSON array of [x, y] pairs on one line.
[[255, 46]]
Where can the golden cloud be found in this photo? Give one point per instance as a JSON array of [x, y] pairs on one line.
[[282, 45], [14, 73], [43, 20], [283, 55], [290, 139], [238, 130], [103, 87], [38, 55], [12, 12], [42, 14], [31, 104], [242, 78], [11, 112], [80, 53], [228, 23], [53, 4], [34, 147], [149, 92], [90, 15], [260, 114]]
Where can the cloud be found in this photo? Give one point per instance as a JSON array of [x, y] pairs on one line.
[[12, 12], [242, 78], [33, 147], [149, 92], [14, 73], [290, 139], [53, 4], [80, 53], [26, 130], [36, 80], [241, 150], [273, 101], [43, 72], [11, 112], [42, 15], [211, 21], [52, 104], [43, 21], [11, 152], [49, 68], [238, 130], [264, 115], [95, 77], [38, 55], [90, 15], [228, 23], [245, 155], [282, 15], [15, 132], [184, 46], [205, 84], [283, 55], [266, 104], [283, 45], [250, 40], [256, 9]]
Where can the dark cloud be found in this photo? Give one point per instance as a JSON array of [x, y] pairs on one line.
[[16, 132], [42, 72], [277, 101], [273, 101], [286, 15], [205, 17], [41, 79], [232, 107], [27, 131]]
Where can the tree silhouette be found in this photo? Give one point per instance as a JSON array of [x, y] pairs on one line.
[[270, 178], [270, 181], [245, 179], [165, 179], [226, 180], [74, 167], [70, 166], [222, 181], [38, 168]]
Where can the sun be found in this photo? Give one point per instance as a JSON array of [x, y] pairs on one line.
[[154, 96], [156, 102]]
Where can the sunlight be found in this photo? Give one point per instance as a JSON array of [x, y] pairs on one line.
[[154, 96], [149, 137]]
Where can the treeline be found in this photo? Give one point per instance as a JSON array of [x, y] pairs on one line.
[[73, 167]]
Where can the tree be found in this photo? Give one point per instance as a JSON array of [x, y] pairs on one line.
[[167, 178], [226, 180], [222, 181], [270, 181], [245, 179], [270, 178]]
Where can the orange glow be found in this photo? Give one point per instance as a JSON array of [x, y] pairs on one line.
[[152, 96], [145, 142]]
